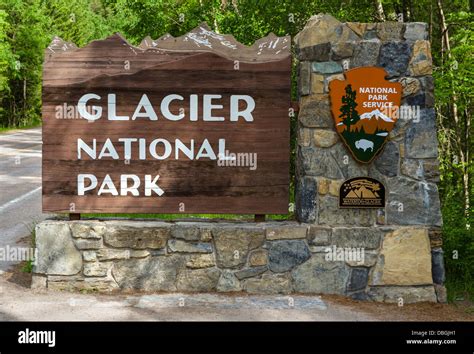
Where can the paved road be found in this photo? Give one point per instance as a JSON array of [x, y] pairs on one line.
[[20, 186], [20, 304]]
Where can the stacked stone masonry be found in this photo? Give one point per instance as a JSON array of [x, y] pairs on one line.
[[401, 243], [407, 166], [260, 258]]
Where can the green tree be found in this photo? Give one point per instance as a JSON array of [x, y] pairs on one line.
[[348, 110], [6, 57], [26, 38]]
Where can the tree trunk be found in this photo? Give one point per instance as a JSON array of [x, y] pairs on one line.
[[380, 12]]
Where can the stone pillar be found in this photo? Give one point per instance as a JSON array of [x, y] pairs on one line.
[[403, 256]]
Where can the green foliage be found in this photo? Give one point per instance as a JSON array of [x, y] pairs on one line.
[[458, 247], [27, 267], [24, 32], [78, 21], [6, 55], [453, 85], [26, 28]]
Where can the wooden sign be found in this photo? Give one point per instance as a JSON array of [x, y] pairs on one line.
[[365, 108], [193, 124], [362, 192]]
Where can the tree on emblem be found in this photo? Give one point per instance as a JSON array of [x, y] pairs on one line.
[[349, 114]]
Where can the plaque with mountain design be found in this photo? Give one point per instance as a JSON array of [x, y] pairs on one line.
[[362, 192], [365, 108]]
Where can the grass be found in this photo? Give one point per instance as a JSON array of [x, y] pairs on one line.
[[28, 266], [28, 126], [459, 290]]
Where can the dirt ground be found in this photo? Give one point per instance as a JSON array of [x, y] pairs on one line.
[[19, 302]]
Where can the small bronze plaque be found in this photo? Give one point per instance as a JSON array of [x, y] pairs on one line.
[[362, 192]]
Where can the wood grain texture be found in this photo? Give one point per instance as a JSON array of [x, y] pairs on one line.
[[201, 63]]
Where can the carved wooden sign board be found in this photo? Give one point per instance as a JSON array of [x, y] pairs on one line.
[[193, 124]]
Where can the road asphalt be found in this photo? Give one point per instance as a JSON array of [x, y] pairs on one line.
[[20, 187]]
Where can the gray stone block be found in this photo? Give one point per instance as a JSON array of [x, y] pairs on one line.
[[327, 67], [359, 279], [198, 280], [149, 274], [315, 161], [56, 252], [186, 247], [345, 163], [418, 100], [320, 276], [88, 244], [342, 50], [306, 199], [186, 232], [87, 229], [411, 202], [441, 293], [317, 52], [407, 294], [129, 234], [282, 231], [250, 272], [387, 162], [228, 282], [366, 53], [330, 214], [437, 266], [319, 236], [269, 284], [285, 255], [357, 237], [390, 31], [420, 139], [234, 243], [304, 78], [96, 269], [421, 169], [394, 57], [415, 31], [316, 113]]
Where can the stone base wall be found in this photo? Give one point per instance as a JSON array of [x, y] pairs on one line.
[[257, 258]]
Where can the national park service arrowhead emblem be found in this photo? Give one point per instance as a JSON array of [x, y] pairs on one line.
[[362, 192], [365, 108]]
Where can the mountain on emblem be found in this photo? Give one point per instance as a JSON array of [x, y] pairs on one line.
[[365, 109], [377, 114]]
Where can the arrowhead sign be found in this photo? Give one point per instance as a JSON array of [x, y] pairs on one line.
[[365, 108]]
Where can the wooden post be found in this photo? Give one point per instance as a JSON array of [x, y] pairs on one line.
[[259, 217], [74, 216]]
